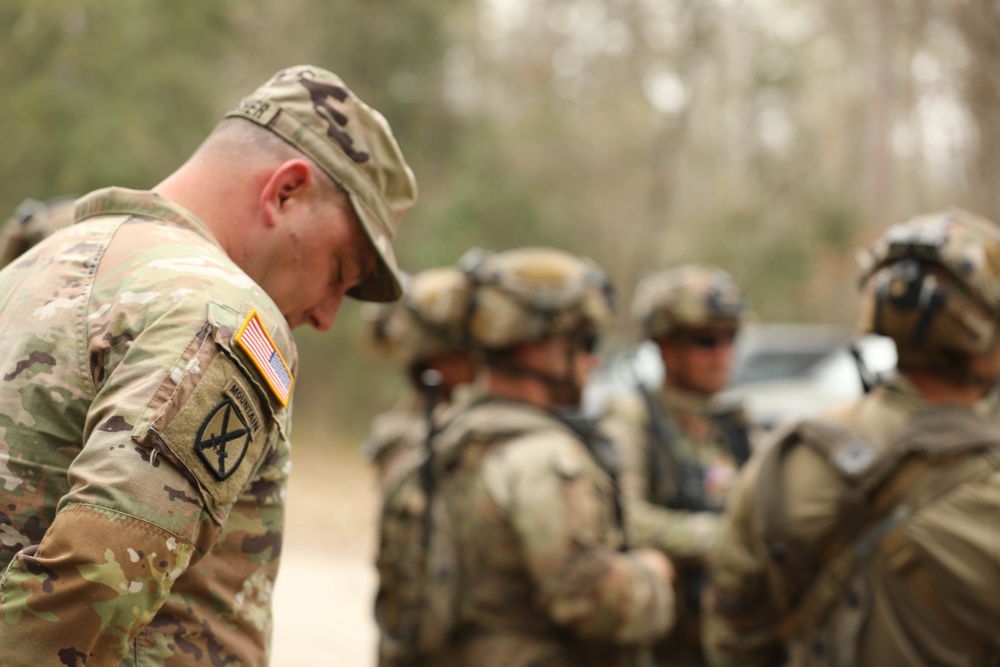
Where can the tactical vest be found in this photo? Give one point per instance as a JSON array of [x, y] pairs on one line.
[[417, 606], [672, 481], [883, 488]]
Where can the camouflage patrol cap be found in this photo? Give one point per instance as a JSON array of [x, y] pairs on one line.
[[932, 284], [533, 293], [687, 296], [31, 222], [429, 321], [314, 111]]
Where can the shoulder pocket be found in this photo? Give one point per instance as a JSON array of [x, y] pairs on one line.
[[218, 419]]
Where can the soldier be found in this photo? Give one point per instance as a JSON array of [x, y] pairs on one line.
[[424, 331], [543, 573], [680, 448], [868, 536], [33, 221], [148, 367]]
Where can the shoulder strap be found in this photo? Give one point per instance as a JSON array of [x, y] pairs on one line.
[[605, 454], [672, 481], [736, 435], [860, 466]]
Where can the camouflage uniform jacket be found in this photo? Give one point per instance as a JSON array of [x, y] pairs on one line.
[[685, 536], [143, 448], [542, 578], [926, 593]]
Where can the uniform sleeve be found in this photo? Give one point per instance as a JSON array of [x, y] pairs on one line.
[[175, 432], [561, 516], [740, 622], [687, 538]]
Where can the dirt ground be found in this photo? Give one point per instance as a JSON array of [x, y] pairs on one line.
[[323, 598]]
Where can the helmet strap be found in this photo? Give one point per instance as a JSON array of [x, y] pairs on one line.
[[930, 301]]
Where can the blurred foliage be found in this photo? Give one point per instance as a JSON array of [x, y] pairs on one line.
[[770, 137]]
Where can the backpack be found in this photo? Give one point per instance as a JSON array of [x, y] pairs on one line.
[[940, 450]]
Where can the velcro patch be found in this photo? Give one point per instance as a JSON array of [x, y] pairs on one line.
[[219, 432], [258, 345], [223, 439]]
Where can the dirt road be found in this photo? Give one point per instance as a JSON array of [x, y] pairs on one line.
[[324, 594]]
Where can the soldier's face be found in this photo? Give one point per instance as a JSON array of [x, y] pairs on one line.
[[325, 252], [699, 359]]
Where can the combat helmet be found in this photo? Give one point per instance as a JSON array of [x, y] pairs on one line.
[[932, 284], [429, 320], [532, 293], [31, 222], [687, 296]]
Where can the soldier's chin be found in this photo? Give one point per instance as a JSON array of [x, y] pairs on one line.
[[711, 383]]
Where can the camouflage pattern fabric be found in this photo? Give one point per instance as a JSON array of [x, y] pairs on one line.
[[932, 284], [928, 593], [542, 580], [143, 447], [534, 292], [687, 537], [429, 321], [687, 296]]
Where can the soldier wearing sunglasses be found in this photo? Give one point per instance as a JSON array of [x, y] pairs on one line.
[[680, 450]]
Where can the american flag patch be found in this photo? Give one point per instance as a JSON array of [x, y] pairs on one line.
[[257, 343]]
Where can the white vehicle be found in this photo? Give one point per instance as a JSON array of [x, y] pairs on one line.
[[822, 379], [781, 371]]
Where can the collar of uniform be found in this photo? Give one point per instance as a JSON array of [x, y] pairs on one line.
[[122, 201], [683, 400], [897, 388]]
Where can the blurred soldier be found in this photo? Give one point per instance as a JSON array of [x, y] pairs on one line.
[[148, 365], [425, 330], [544, 574], [869, 536], [680, 448], [33, 221]]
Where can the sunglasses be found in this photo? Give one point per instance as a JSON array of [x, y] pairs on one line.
[[706, 340]]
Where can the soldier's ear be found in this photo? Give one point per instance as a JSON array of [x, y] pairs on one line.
[[288, 185], [668, 351]]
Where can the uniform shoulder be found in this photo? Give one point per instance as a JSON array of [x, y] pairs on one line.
[[538, 453], [154, 270], [404, 423], [488, 420]]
